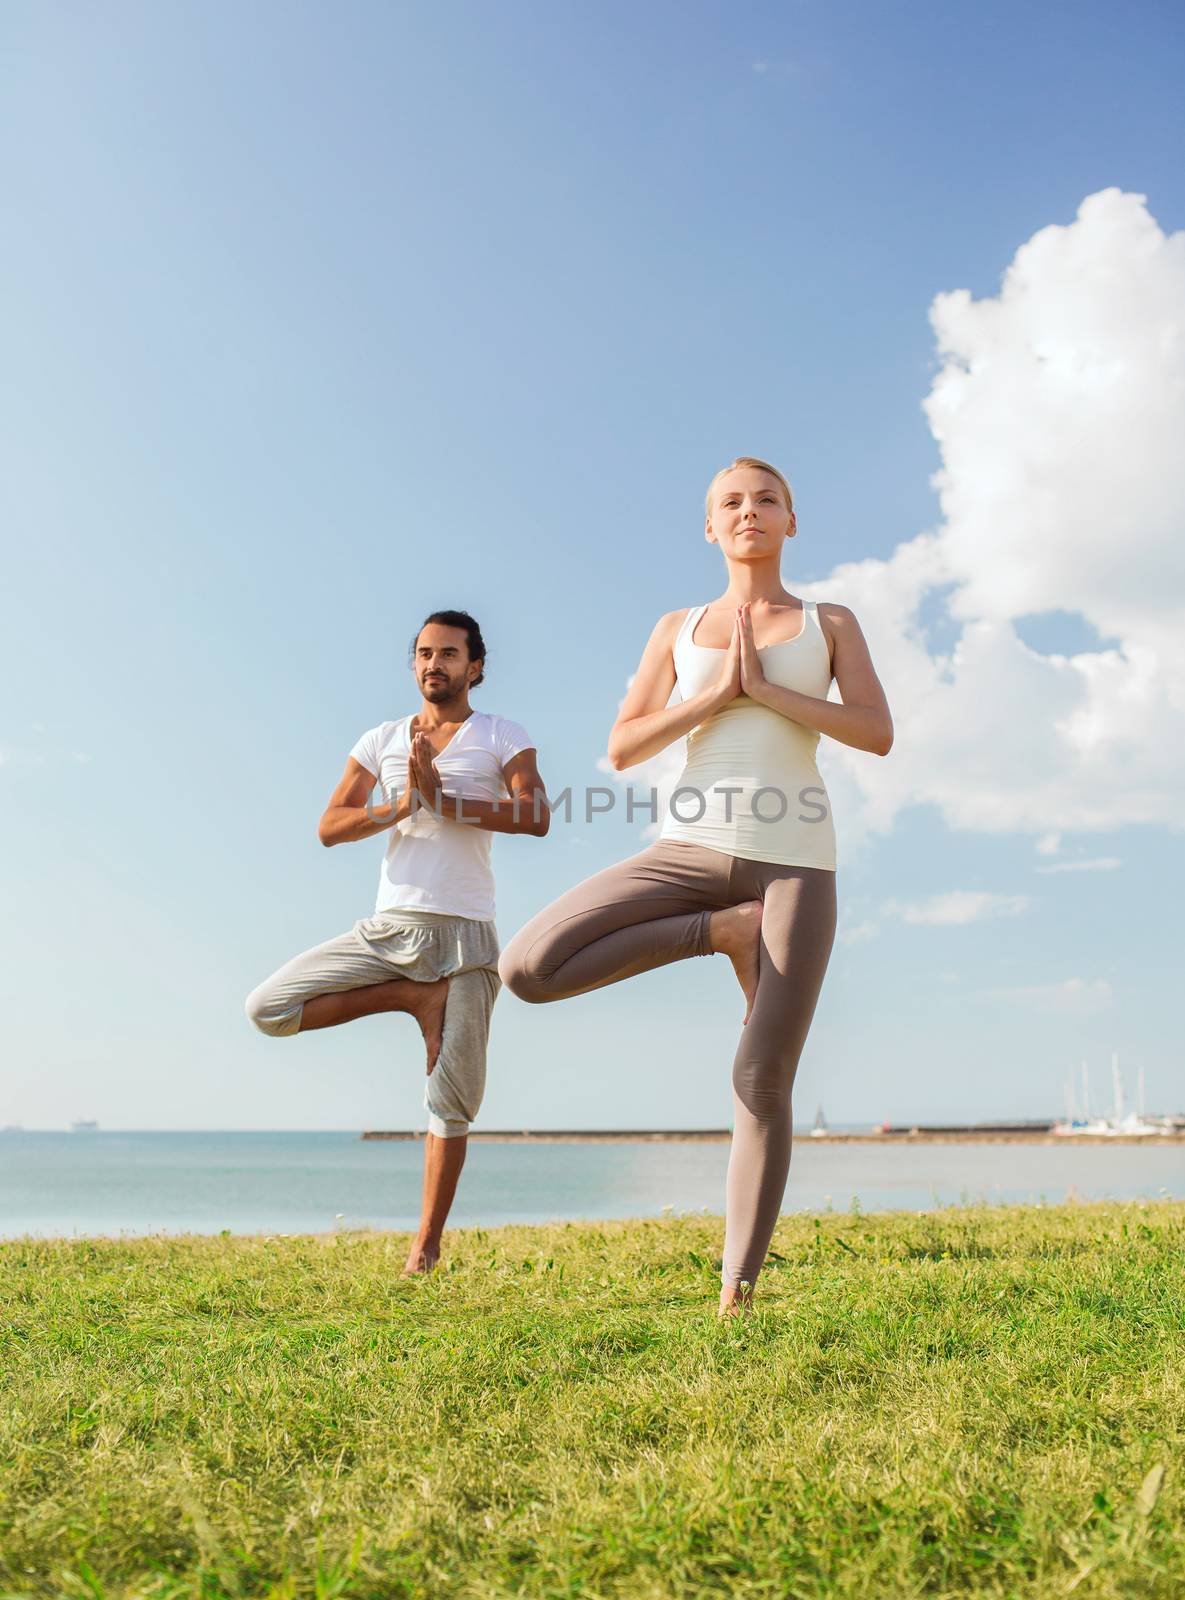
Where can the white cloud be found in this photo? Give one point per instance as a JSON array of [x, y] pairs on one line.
[[955, 908], [19, 758], [1073, 997], [28, 758], [1059, 411], [958, 906], [1089, 864]]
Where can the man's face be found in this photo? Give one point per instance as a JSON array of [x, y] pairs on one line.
[[441, 664]]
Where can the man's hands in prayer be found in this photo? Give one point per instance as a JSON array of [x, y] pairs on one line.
[[424, 785]]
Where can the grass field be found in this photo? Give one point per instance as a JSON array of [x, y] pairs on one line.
[[971, 1402]]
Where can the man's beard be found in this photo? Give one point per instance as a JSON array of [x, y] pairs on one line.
[[439, 689]]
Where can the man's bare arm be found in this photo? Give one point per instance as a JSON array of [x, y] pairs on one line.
[[526, 811], [346, 817]]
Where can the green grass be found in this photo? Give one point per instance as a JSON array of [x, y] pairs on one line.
[[973, 1402]]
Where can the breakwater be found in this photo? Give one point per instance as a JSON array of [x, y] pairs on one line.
[[995, 1133]]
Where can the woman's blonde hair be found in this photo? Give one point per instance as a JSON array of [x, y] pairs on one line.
[[750, 461]]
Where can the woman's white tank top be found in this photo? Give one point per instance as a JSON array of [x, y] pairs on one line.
[[750, 786]]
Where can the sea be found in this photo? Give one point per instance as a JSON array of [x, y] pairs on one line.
[[73, 1185]]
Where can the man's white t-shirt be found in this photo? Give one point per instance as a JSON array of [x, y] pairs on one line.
[[439, 864]]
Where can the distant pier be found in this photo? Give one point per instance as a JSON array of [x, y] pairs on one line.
[[921, 1133], [581, 1135]]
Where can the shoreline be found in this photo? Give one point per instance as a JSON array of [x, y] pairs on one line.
[[905, 1136]]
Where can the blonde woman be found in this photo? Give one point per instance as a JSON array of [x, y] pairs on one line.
[[745, 861]]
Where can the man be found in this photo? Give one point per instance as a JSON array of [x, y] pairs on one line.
[[451, 776]]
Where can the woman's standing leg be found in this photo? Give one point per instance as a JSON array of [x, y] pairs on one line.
[[797, 933]]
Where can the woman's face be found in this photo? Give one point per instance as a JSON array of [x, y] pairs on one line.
[[749, 517]]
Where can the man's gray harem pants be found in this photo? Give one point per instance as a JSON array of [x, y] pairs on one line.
[[420, 945]]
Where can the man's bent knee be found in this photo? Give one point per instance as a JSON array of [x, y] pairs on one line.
[[269, 1018]]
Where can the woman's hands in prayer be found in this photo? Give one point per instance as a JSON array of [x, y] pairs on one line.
[[752, 677]]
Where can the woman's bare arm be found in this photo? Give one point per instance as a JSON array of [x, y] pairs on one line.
[[863, 720], [646, 724]]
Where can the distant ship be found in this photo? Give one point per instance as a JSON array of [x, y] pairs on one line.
[[820, 1130], [84, 1125]]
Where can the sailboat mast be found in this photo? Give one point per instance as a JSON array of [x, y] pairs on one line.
[[1117, 1085]]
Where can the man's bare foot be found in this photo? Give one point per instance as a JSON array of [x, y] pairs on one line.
[[735, 1302], [421, 1258], [426, 1003], [736, 933]]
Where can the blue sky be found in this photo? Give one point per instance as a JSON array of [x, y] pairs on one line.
[[319, 318]]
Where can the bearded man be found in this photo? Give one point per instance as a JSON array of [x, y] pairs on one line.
[[450, 776]]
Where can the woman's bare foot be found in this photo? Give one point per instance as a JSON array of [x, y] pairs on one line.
[[736, 933], [422, 1257], [735, 1302], [426, 1003]]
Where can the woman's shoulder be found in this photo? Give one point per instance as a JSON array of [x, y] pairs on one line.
[[834, 619], [666, 629], [834, 615]]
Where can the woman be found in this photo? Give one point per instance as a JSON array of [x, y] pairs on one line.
[[745, 861]]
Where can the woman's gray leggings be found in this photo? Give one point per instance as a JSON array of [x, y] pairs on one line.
[[654, 908]]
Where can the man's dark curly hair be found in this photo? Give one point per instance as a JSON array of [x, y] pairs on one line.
[[475, 644]]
